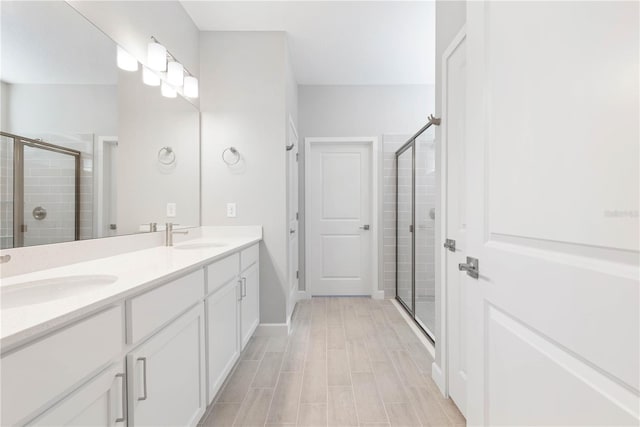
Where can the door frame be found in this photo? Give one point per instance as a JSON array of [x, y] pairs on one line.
[[293, 290], [440, 374], [372, 142]]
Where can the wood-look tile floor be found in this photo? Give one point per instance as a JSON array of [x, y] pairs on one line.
[[348, 362]]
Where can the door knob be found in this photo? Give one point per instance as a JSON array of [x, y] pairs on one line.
[[364, 227], [471, 267], [292, 230]]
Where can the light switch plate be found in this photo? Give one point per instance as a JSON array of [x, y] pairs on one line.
[[171, 210], [231, 210]]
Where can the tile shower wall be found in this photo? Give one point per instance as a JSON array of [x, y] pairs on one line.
[[425, 203]]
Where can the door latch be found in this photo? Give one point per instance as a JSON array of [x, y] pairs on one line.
[[450, 244], [364, 227], [471, 267]]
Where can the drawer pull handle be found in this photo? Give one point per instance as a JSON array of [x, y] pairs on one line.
[[239, 288], [244, 287], [144, 377], [123, 397]]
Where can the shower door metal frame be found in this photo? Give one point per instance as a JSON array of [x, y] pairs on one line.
[[19, 143], [411, 143], [406, 146]]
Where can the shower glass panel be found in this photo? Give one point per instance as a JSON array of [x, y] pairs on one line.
[[404, 228], [415, 229], [424, 302], [49, 216]]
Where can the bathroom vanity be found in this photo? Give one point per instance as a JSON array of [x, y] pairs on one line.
[[139, 338]]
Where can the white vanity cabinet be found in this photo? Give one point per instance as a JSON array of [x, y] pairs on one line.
[[250, 292], [223, 320], [167, 374], [49, 369], [99, 403]]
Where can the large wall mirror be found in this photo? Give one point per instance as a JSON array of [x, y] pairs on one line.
[[86, 150]]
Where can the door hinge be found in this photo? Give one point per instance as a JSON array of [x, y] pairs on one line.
[[297, 274], [296, 157], [297, 216], [411, 228], [23, 228]]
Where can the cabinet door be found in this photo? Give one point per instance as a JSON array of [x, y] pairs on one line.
[[167, 374], [223, 333], [250, 306], [100, 402]]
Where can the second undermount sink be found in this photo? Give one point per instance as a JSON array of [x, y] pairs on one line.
[[46, 290], [201, 245]]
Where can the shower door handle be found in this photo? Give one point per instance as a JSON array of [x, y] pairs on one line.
[[364, 227]]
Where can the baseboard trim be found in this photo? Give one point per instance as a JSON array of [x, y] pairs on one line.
[[272, 330], [377, 295], [438, 378], [302, 295]]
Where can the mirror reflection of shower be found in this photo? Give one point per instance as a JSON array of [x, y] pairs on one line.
[[48, 186]]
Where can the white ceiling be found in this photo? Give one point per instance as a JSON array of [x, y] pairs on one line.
[[338, 42], [48, 42]]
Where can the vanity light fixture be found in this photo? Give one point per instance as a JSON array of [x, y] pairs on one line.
[[149, 77], [175, 73], [126, 61], [168, 91], [190, 88], [156, 56]]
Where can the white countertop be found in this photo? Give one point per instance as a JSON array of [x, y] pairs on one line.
[[136, 272]]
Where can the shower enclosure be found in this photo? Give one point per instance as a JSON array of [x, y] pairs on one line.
[[31, 213], [415, 228]]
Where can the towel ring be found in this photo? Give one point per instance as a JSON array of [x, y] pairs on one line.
[[235, 153], [166, 156]]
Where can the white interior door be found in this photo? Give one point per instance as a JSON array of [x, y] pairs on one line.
[[339, 217], [292, 213], [552, 213], [453, 137]]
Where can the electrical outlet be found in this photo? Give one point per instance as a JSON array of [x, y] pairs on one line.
[[231, 210], [171, 210]]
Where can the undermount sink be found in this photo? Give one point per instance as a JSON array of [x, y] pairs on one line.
[[201, 245], [46, 290]]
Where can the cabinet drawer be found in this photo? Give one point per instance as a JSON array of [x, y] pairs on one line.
[[222, 271], [249, 256], [153, 309], [35, 375]]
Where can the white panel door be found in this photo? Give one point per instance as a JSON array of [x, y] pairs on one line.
[[339, 214], [552, 213], [292, 213], [166, 375], [453, 136]]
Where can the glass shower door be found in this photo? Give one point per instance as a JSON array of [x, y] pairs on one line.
[[404, 228], [49, 197]]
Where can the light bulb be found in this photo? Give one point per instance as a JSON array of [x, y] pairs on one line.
[[175, 73], [149, 77], [167, 90], [126, 61], [190, 87], [157, 56]]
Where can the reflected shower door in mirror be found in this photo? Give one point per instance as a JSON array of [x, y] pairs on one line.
[[404, 228], [60, 86]]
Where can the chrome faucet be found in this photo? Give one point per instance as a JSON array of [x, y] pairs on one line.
[[169, 232], [5, 259]]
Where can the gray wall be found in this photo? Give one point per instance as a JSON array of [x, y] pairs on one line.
[[343, 111], [244, 104], [450, 17]]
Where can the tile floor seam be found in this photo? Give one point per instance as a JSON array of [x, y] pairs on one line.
[[353, 394], [251, 382], [304, 362]]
